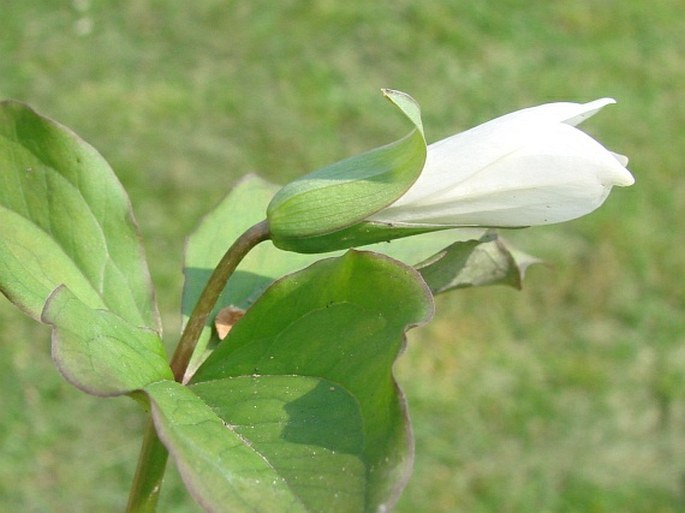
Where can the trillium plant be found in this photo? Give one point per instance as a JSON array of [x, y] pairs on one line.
[[280, 396]]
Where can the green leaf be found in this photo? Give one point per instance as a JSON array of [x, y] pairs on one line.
[[70, 255], [99, 352], [243, 207], [65, 219], [476, 263], [346, 192], [301, 396]]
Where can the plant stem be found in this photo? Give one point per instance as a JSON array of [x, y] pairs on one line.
[[210, 295], [147, 482]]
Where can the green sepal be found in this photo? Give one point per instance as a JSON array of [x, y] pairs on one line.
[[360, 234], [346, 192], [489, 260]]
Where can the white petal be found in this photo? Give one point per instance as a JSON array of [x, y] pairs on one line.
[[525, 168], [587, 110], [509, 207], [569, 113], [560, 174], [455, 159]]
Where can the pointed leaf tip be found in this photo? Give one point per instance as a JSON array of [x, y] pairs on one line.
[[409, 107]]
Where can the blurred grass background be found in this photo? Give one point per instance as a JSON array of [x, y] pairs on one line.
[[566, 397]]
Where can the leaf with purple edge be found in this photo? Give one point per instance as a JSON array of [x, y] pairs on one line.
[[70, 255], [297, 409]]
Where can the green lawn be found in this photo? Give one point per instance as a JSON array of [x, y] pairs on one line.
[[566, 397]]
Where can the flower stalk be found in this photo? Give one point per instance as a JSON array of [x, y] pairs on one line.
[[147, 482], [210, 295]]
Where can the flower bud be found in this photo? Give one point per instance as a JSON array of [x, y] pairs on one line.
[[530, 167]]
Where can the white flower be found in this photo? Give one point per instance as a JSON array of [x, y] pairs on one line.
[[526, 168]]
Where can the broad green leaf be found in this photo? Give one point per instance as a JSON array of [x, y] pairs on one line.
[[66, 220], [244, 206], [476, 263], [346, 192], [70, 255], [305, 381], [99, 352]]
